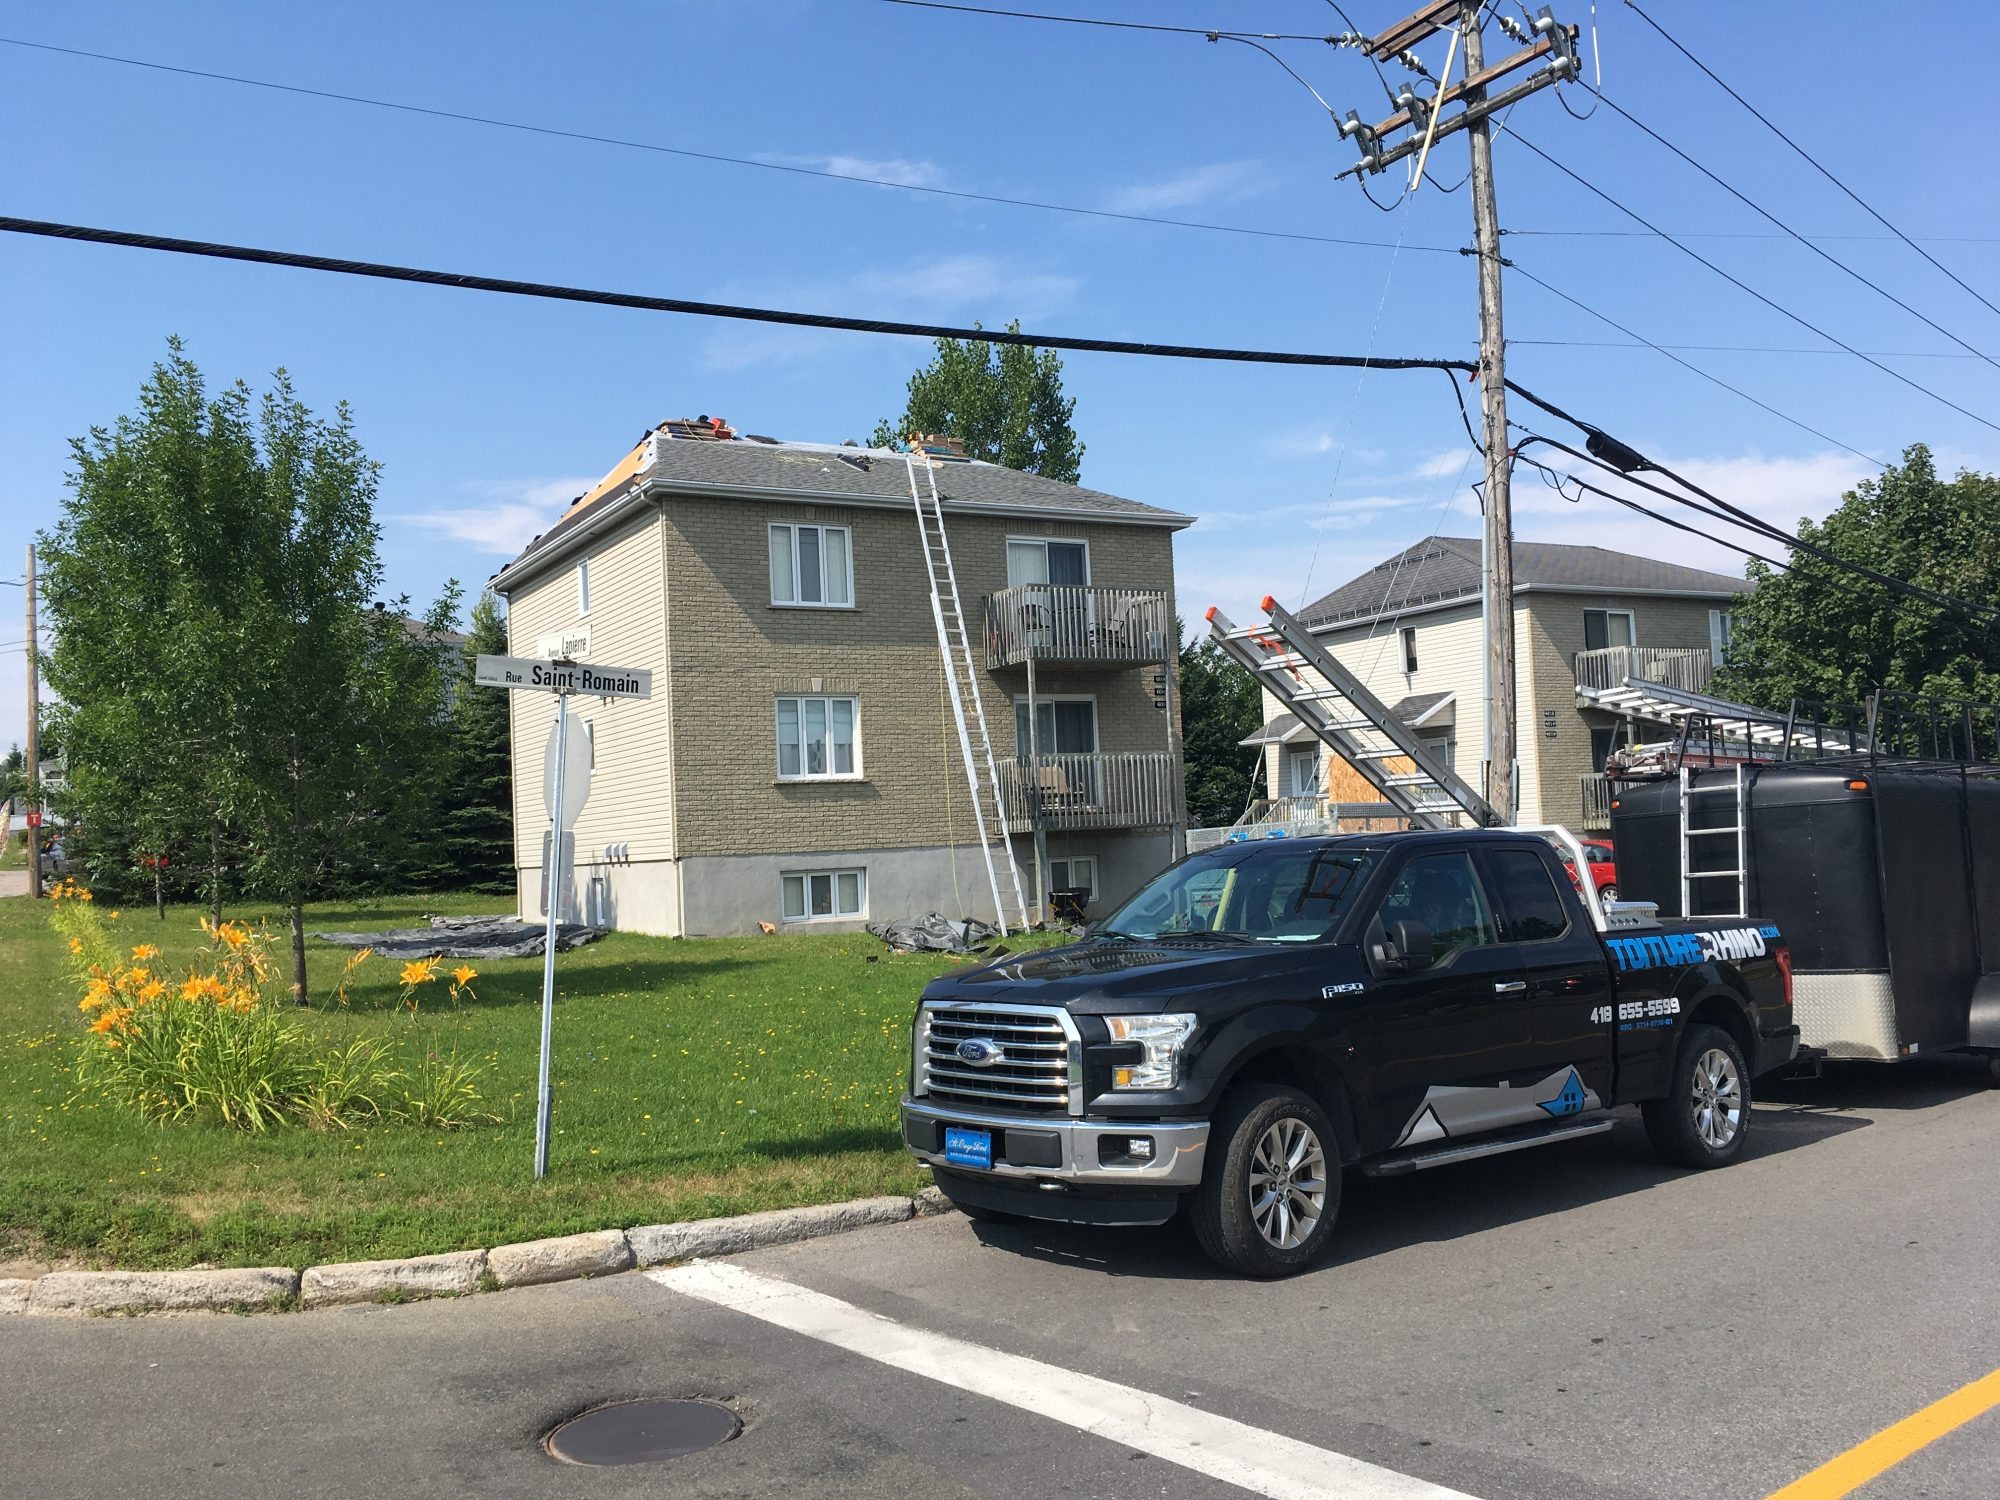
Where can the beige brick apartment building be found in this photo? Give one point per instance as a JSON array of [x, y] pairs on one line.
[[798, 763], [1589, 624]]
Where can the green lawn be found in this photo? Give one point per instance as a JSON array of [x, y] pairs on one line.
[[694, 1077], [13, 851]]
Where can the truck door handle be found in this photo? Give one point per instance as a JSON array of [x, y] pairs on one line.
[[1510, 987]]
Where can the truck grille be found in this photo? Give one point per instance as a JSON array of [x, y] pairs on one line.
[[1034, 1071]]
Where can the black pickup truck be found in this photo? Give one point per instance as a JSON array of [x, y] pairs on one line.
[[1264, 1014]]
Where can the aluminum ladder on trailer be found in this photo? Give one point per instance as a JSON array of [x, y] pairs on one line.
[[989, 803], [1737, 789], [1332, 702]]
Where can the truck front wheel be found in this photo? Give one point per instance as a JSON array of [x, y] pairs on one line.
[[1271, 1187], [1706, 1113]]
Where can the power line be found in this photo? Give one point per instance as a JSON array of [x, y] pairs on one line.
[[556, 292], [1731, 348], [1035, 15], [1759, 208], [1734, 515], [688, 153], [1775, 306], [1715, 380], [1810, 160], [1745, 234], [1555, 479]]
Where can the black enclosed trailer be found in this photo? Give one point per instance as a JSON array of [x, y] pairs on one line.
[[1884, 875]]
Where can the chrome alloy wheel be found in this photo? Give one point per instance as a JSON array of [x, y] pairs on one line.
[[1717, 1099], [1287, 1183]]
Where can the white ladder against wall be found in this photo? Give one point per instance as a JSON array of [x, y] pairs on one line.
[[961, 670], [1737, 789], [1348, 718]]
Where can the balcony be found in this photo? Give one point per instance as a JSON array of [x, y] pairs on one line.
[[1074, 625], [1596, 803], [1684, 668], [1128, 789]]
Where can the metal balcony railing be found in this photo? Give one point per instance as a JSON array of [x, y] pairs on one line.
[[1685, 667], [1073, 623], [1112, 789], [1596, 792]]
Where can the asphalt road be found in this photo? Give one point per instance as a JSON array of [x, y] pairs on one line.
[[1574, 1322]]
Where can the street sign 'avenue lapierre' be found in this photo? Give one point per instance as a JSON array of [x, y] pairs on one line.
[[563, 677]]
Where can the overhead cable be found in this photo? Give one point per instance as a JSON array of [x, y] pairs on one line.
[[1810, 159], [1734, 515], [1741, 285], [1556, 478], [1716, 380], [1035, 15], [1759, 208], [687, 153]]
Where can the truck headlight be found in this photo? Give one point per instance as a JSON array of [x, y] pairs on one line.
[[1162, 1038]]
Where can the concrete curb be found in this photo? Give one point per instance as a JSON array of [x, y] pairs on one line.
[[255, 1287], [452, 1274], [603, 1252]]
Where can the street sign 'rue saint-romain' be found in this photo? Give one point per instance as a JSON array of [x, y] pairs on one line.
[[563, 677]]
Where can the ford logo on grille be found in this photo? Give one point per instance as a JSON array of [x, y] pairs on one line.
[[979, 1052]]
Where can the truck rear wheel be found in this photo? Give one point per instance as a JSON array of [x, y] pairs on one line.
[[1271, 1188], [1706, 1112]]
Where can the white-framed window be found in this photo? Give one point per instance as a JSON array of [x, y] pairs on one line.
[[1609, 627], [583, 587], [812, 565], [590, 739], [1409, 648], [819, 738], [1047, 560], [1721, 624], [1077, 872], [824, 895], [1302, 772]]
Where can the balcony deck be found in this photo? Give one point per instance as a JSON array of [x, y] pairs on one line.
[[1110, 789], [1075, 625], [1610, 670]]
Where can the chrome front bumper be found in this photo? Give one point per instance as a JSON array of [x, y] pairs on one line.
[[1179, 1148]]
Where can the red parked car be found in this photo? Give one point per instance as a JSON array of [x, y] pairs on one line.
[[1603, 862]]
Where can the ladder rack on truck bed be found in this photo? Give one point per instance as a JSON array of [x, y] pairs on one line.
[[1356, 725]]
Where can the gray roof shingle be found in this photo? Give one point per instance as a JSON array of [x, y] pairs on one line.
[[1441, 568], [855, 473]]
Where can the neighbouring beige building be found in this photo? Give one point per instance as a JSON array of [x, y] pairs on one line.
[[798, 761], [1610, 649]]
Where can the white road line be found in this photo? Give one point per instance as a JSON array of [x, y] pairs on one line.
[[1265, 1463]]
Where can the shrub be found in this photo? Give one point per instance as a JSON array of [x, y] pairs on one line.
[[219, 1044]]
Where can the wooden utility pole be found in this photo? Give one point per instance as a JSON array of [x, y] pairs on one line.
[[1423, 121], [1499, 549], [34, 766]]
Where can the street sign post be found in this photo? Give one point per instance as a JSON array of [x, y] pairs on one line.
[[565, 788]]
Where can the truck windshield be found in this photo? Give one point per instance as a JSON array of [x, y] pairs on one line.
[[1261, 892]]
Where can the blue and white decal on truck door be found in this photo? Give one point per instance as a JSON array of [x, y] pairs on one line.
[[1451, 1112]]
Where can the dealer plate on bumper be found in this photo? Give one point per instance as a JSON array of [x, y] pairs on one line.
[[968, 1148]]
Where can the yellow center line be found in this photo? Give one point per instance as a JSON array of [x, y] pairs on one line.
[[1848, 1472]]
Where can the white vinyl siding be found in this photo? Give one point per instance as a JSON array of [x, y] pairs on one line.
[[824, 895], [812, 565], [819, 738]]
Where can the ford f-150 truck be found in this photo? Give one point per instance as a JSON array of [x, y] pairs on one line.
[[1262, 1015]]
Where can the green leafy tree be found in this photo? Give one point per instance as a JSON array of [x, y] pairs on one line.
[[1221, 705], [476, 819], [1005, 402], [1823, 634], [224, 677]]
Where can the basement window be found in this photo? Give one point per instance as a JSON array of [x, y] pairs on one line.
[[824, 895]]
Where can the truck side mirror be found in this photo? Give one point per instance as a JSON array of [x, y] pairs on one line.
[[1410, 945]]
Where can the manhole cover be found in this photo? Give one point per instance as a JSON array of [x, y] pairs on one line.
[[642, 1432]]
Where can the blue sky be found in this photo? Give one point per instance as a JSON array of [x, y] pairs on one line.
[[489, 413]]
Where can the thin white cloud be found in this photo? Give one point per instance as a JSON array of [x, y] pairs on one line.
[[512, 513], [896, 169], [1438, 465], [1218, 182], [925, 288]]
